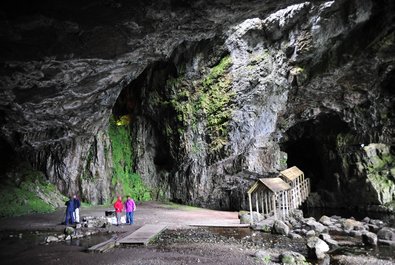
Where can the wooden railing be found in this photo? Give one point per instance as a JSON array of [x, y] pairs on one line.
[[282, 203]]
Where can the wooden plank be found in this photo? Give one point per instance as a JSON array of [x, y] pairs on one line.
[[103, 247], [143, 235]]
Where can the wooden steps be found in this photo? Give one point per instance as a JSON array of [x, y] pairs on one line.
[[143, 235]]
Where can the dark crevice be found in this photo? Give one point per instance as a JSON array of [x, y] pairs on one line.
[[311, 146]]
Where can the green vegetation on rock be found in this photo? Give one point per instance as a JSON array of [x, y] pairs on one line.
[[207, 100], [124, 180], [29, 193], [380, 161]]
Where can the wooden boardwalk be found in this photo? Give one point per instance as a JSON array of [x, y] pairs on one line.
[[143, 235]]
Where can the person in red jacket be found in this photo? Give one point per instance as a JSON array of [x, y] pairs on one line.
[[118, 206]]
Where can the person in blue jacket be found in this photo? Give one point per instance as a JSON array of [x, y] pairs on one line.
[[70, 211]]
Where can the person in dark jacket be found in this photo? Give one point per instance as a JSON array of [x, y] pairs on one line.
[[77, 205], [70, 211]]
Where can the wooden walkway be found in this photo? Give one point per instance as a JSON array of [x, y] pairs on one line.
[[143, 235]]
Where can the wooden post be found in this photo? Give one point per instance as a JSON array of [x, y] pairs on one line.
[[283, 203], [266, 206], [300, 191], [249, 199], [274, 205], [262, 206], [294, 198], [256, 202], [300, 194], [286, 203]]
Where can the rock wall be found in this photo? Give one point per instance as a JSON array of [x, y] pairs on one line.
[[217, 92]]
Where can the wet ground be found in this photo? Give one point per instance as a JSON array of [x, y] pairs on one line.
[[22, 241]]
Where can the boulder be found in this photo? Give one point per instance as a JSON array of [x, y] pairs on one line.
[[310, 233], [264, 225], [316, 226], [265, 256], [325, 220], [291, 257], [69, 230], [327, 238], [386, 242], [352, 224], [386, 233], [245, 218], [369, 238], [294, 236], [317, 248], [279, 227], [50, 239], [297, 214]]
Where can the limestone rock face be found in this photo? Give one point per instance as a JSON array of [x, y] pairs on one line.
[[218, 93]]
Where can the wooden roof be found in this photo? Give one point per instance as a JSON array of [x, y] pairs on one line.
[[273, 184], [291, 173]]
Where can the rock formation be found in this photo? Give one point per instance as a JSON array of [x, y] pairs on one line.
[[216, 93]]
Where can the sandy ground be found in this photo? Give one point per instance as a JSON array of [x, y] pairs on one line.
[[172, 215], [30, 248]]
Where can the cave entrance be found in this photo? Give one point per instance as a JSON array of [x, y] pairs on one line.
[[312, 146]]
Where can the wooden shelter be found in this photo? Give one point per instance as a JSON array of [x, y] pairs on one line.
[[300, 186], [272, 195], [280, 195]]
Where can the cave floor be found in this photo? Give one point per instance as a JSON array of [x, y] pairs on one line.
[[22, 240], [172, 215], [175, 217]]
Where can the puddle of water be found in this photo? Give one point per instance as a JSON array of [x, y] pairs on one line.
[[237, 233], [27, 239], [380, 251], [389, 218], [268, 240], [89, 241]]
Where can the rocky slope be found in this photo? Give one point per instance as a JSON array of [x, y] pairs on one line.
[[216, 92]]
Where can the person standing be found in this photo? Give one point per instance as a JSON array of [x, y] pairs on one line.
[[130, 207], [77, 205], [70, 211], [118, 206]]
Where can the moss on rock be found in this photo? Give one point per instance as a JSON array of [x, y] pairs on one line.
[[207, 100], [379, 163], [28, 192], [124, 180]]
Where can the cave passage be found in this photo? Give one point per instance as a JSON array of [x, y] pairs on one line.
[[312, 146]]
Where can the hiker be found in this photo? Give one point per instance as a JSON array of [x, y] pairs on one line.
[[70, 211], [118, 206], [130, 207], [77, 205]]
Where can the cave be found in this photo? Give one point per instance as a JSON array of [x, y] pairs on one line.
[[208, 89], [312, 146]]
